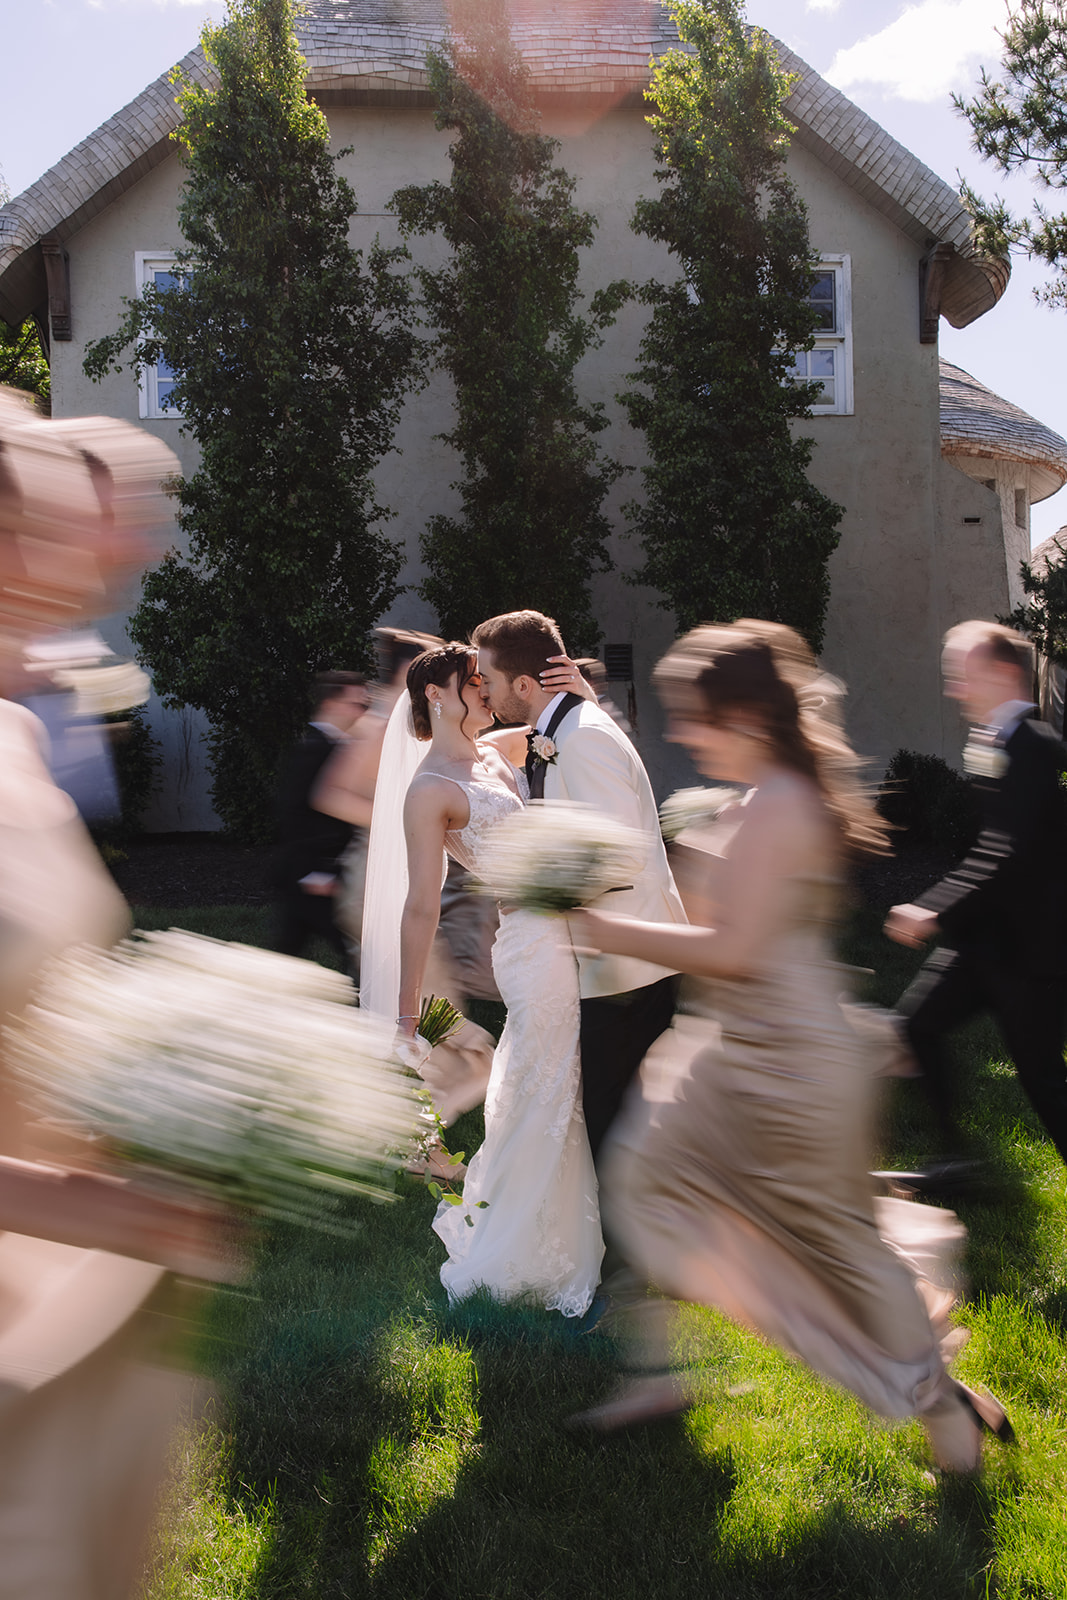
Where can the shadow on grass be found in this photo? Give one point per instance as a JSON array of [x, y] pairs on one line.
[[392, 1448], [406, 1449], [645, 1518]]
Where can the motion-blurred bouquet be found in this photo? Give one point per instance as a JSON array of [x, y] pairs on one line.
[[687, 808], [247, 1075], [555, 856]]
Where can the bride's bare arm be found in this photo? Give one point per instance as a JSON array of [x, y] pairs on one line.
[[779, 836], [562, 675], [427, 817]]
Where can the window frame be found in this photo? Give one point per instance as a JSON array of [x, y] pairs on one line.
[[840, 264], [149, 409]]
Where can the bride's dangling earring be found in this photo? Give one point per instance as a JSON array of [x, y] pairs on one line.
[[437, 709]]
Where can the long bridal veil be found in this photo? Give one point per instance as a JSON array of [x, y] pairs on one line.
[[387, 865]]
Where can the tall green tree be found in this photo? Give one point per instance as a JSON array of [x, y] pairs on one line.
[[291, 355], [531, 529], [23, 363], [1019, 123], [730, 524], [1043, 615]]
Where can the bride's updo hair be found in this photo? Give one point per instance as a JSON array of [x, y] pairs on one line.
[[438, 666], [762, 678]]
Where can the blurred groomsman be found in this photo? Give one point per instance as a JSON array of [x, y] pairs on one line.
[[1001, 914], [310, 844]]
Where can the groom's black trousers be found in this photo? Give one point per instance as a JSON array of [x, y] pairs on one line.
[[618, 1030], [1031, 1012]]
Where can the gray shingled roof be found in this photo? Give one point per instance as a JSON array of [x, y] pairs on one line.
[[373, 51], [977, 422], [1050, 552]]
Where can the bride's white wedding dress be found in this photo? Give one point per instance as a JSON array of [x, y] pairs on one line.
[[538, 1234]]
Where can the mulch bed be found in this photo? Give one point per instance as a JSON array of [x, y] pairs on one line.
[[206, 869], [192, 869], [895, 880]]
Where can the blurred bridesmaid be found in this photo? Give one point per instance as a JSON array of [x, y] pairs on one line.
[[86, 1403], [738, 1178]]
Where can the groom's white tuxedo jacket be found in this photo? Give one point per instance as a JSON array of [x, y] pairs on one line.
[[598, 766]]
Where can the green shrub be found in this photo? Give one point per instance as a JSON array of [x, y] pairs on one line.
[[929, 801], [137, 759]]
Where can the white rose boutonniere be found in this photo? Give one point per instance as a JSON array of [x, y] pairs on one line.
[[544, 749]]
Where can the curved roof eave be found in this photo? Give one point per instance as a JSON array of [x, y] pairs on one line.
[[976, 422], [96, 172], [380, 57]]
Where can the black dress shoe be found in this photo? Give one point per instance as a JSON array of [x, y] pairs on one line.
[[955, 1179], [599, 1316]]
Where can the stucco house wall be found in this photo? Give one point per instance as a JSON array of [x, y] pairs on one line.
[[908, 565]]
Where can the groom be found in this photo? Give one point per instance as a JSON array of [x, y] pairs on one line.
[[579, 753]]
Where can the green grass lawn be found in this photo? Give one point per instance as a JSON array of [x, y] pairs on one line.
[[367, 1441]]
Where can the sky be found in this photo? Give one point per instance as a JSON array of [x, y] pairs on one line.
[[74, 63]]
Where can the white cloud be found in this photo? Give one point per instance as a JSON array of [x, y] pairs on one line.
[[821, 5], [931, 49]]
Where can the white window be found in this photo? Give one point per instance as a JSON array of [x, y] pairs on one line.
[[829, 362], [156, 383]]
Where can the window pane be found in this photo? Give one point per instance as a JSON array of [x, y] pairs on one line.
[[822, 298], [165, 280], [799, 368], [822, 363], [163, 396]]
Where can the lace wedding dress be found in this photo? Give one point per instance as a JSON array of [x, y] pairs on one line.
[[538, 1234]]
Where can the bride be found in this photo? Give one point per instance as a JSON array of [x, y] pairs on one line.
[[529, 1224]]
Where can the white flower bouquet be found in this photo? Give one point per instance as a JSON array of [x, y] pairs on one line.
[[687, 808], [555, 855], [249, 1076]]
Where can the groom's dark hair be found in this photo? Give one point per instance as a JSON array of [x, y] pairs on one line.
[[521, 642]]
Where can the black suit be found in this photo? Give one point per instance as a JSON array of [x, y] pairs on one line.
[[1003, 917], [308, 841]]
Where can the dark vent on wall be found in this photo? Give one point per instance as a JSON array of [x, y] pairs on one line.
[[619, 662], [972, 519]]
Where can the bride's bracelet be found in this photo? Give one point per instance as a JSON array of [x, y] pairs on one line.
[[411, 1018]]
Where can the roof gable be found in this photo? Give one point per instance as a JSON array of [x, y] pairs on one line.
[[373, 51]]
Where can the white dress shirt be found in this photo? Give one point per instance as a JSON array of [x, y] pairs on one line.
[[546, 716], [1007, 717]]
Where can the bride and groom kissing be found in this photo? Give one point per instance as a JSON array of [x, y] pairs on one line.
[[577, 1025]]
